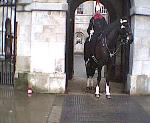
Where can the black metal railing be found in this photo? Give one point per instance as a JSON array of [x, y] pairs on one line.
[[7, 41]]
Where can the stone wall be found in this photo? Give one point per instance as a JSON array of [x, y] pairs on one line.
[[139, 76], [41, 46], [23, 41]]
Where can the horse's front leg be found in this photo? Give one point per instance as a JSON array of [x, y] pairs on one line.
[[108, 96], [97, 91], [107, 88]]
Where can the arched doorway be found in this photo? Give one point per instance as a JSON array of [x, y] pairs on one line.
[[116, 9]]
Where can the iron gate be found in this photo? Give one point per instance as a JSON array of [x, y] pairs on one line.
[[7, 41]]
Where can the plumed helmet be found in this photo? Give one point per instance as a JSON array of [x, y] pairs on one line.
[[97, 7]]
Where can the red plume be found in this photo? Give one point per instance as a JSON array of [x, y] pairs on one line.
[[97, 2]]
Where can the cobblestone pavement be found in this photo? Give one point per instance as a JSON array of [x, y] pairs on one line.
[[88, 109], [17, 107]]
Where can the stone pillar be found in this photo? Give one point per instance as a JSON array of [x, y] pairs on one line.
[[139, 75], [43, 44]]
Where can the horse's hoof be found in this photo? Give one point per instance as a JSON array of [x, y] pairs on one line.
[[108, 96], [97, 95]]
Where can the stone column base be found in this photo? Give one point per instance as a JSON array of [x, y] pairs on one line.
[[138, 84], [41, 82]]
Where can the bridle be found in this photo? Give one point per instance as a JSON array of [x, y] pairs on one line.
[[122, 42]]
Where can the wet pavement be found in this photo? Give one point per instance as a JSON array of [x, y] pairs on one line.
[[77, 106], [17, 107]]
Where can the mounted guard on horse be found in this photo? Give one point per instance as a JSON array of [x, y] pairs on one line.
[[96, 26], [100, 46]]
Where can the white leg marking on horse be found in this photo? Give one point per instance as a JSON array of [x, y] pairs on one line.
[[88, 82], [97, 90], [107, 90]]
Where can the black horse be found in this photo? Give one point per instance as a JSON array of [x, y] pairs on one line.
[[105, 49]]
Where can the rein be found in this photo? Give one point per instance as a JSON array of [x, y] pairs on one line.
[[111, 54]]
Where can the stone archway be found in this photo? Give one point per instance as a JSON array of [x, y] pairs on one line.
[[115, 11]]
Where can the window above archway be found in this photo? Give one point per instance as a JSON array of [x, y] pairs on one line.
[[80, 9]]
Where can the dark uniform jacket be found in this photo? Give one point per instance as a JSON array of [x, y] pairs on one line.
[[97, 23]]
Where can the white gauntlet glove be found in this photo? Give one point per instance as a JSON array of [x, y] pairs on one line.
[[91, 32]]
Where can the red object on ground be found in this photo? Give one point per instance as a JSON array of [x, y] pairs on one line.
[[29, 91]]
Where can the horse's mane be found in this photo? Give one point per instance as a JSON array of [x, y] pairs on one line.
[[111, 27], [111, 32]]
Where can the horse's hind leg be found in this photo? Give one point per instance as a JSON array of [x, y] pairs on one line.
[[89, 76], [107, 88], [92, 72], [97, 91], [92, 84], [88, 85]]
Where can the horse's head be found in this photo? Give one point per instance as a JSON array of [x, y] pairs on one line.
[[125, 31]]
